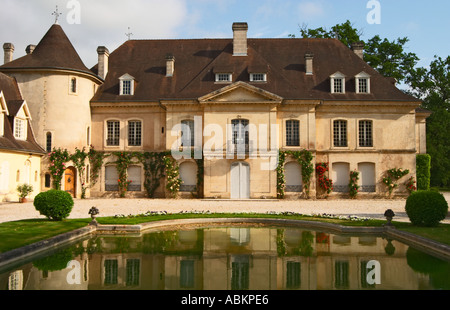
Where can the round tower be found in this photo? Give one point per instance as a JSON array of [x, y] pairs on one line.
[[58, 88]]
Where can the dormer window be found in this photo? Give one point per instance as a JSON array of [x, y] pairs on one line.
[[258, 77], [126, 85], [362, 83], [20, 129], [224, 77], [337, 83]]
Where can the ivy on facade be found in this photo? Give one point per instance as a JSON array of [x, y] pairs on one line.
[[305, 160]]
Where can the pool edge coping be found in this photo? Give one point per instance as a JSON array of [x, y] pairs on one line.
[[22, 253]]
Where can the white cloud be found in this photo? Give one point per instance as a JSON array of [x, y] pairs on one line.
[[310, 10], [103, 22]]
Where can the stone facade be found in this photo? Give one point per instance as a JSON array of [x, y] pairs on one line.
[[311, 94]]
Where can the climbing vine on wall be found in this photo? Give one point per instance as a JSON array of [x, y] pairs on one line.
[[154, 168], [58, 159], [324, 182], [392, 176], [79, 161], [305, 159], [353, 184], [173, 176], [96, 159], [123, 162]]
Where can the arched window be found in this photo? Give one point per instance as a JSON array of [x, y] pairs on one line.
[[367, 177], [341, 177], [111, 179], [188, 174], [48, 180], [293, 175]]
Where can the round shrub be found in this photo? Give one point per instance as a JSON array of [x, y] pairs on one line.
[[54, 204], [426, 208]]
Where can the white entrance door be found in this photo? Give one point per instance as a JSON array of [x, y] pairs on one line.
[[240, 181]]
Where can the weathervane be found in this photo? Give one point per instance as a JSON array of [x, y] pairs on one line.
[[56, 14], [129, 34]]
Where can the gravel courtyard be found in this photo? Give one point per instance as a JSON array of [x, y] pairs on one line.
[[111, 207]]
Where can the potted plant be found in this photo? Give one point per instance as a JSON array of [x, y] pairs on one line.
[[24, 190]]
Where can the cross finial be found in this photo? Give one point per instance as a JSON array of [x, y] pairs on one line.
[[129, 34], [56, 14]]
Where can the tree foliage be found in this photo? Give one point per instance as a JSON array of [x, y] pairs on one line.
[[389, 58]]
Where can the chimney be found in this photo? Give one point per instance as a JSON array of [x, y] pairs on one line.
[[309, 63], [358, 48], [30, 49], [103, 60], [170, 65], [9, 51], [240, 39]]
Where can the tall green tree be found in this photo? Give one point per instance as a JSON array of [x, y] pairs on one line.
[[432, 85], [389, 58]]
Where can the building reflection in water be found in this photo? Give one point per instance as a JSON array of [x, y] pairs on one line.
[[227, 258]]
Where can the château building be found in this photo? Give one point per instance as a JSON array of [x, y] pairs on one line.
[[223, 109]]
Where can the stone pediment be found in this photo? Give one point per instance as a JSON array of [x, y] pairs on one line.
[[240, 92]]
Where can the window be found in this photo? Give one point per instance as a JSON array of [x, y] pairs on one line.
[[88, 136], [20, 129], [293, 275], [113, 137], [134, 175], [223, 77], [337, 83], [187, 133], [126, 85], [73, 85], [134, 133], [2, 123], [240, 132], [111, 179], [340, 133], [187, 274], [111, 271], [292, 133], [133, 272], [49, 142], [258, 77], [362, 83], [126, 88], [365, 134]]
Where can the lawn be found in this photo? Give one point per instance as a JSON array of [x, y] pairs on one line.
[[22, 233]]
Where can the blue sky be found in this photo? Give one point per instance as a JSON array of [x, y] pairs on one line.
[[105, 22]]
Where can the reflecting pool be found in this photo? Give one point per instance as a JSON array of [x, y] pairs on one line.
[[232, 258]]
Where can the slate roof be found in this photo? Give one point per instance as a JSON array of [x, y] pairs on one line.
[[197, 61], [54, 51], [14, 102]]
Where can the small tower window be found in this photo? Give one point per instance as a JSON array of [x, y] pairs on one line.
[[49, 142], [73, 85]]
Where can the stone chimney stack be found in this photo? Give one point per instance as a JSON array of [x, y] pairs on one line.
[[358, 48], [103, 61], [9, 52], [170, 65], [30, 49], [240, 39], [309, 57]]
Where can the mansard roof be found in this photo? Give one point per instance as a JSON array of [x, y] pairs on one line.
[[54, 51], [198, 60]]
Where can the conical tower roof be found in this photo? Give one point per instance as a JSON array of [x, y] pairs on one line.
[[54, 51]]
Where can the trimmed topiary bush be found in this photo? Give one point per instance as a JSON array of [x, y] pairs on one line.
[[426, 208], [54, 204]]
